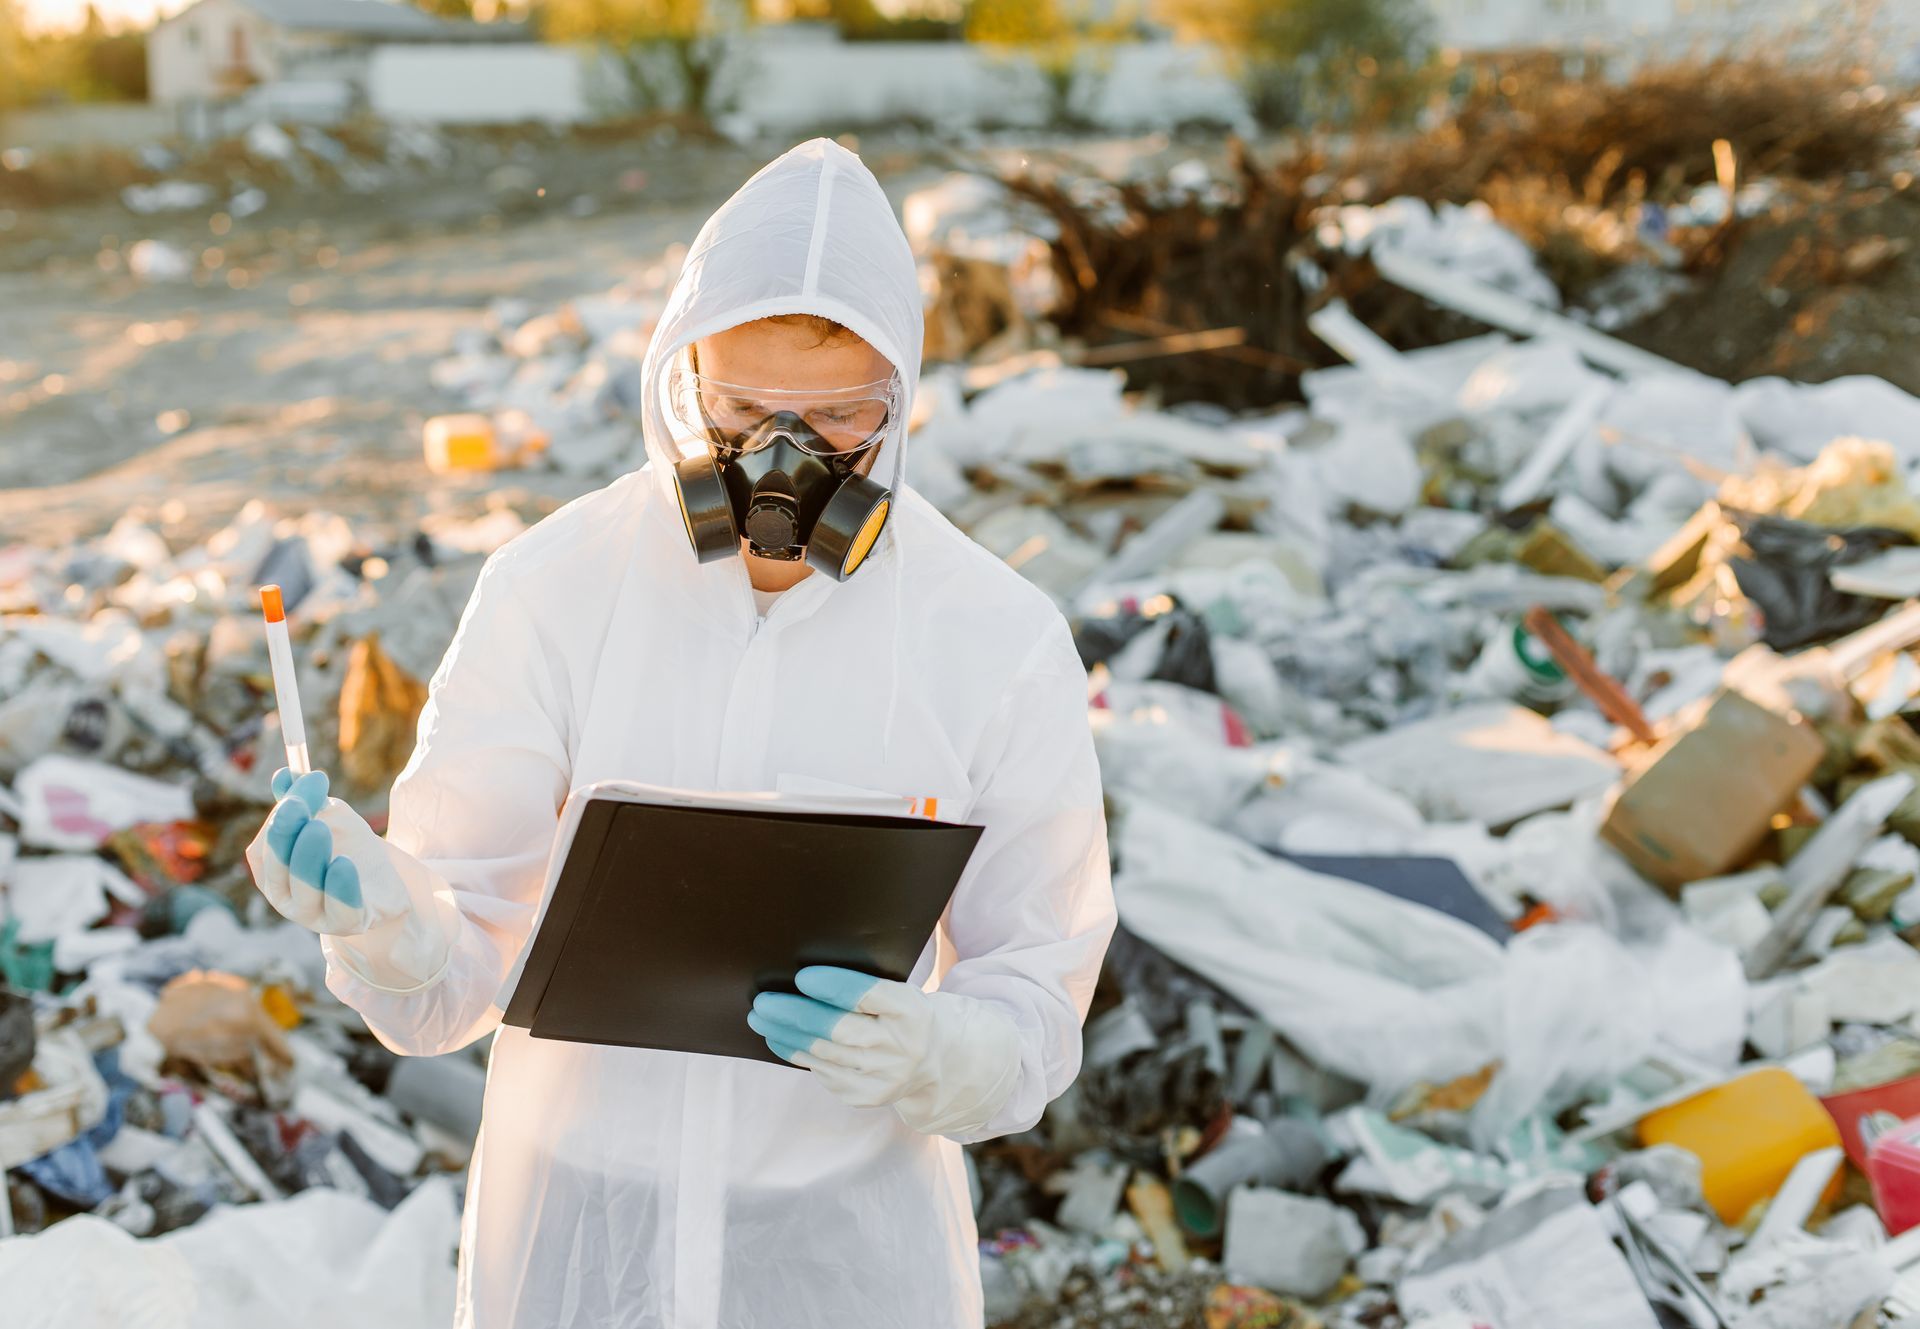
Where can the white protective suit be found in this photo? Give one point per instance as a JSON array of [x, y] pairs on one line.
[[619, 1187]]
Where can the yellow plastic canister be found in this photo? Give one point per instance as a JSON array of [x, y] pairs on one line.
[[1748, 1133]]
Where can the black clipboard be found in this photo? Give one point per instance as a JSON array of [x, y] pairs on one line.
[[664, 920]]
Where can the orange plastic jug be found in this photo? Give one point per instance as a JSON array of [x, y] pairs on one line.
[[1748, 1133]]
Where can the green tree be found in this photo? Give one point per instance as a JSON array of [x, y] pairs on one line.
[[103, 65], [863, 20], [1346, 61], [116, 65], [670, 50], [89, 63], [13, 56]]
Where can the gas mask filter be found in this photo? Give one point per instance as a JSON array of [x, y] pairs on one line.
[[782, 469]]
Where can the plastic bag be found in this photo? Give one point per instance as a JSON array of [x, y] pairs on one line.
[[1381, 990], [1172, 646], [317, 1261], [1545, 1259], [1786, 572]]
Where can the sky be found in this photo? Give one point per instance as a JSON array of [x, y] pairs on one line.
[[67, 13], [141, 13]]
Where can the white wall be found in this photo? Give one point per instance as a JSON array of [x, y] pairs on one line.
[[462, 84], [777, 87], [186, 54], [785, 85], [1501, 25], [781, 85], [1645, 28], [1151, 85]]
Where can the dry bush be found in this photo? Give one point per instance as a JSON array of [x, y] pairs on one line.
[[1652, 135], [1560, 162]]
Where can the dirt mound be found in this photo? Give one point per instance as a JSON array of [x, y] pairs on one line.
[[1814, 290]]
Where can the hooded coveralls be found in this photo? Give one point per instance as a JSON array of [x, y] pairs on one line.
[[620, 1187]]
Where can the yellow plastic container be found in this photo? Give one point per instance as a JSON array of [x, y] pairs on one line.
[[474, 442], [1748, 1133], [280, 1005], [461, 443]]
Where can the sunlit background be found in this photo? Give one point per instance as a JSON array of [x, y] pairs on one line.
[[64, 15], [1373, 383]]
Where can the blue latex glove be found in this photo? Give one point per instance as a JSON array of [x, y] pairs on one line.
[[945, 1063], [391, 920], [302, 877]]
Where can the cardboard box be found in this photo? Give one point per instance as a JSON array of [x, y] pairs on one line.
[[1705, 796]]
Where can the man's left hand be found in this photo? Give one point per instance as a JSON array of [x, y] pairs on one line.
[[945, 1063]]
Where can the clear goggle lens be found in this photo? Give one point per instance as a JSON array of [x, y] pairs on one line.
[[728, 416]]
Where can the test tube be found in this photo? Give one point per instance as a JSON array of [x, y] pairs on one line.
[[286, 691]]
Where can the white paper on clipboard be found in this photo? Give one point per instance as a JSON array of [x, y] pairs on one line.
[[632, 791]]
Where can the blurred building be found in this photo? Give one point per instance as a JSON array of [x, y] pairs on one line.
[[1886, 31], [292, 51]]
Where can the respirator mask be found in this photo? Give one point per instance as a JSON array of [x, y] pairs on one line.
[[780, 468]]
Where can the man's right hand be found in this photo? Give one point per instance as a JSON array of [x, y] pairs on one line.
[[296, 867], [320, 865]]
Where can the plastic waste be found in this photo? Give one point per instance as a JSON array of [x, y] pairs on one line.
[[1543, 1258], [379, 708], [1488, 763], [1893, 1166], [214, 1022], [1288, 1243], [1748, 1133], [472, 442], [311, 1262], [1786, 574], [1279, 1153], [69, 803]]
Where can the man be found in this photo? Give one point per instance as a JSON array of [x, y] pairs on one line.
[[765, 606]]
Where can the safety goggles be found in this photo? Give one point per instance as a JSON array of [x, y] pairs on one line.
[[840, 422]]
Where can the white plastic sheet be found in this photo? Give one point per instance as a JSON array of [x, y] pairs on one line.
[[1800, 419], [57, 894], [1492, 763], [1310, 807], [70, 803], [1803, 1282], [1463, 239], [320, 1260], [1378, 989], [1658, 422], [1545, 1259]]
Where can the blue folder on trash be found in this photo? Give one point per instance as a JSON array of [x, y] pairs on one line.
[[1437, 883]]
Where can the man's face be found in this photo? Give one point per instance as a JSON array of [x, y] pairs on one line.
[[788, 357]]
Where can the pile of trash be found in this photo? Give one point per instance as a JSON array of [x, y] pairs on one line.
[[1512, 791], [1608, 201], [167, 1046], [1510, 780]]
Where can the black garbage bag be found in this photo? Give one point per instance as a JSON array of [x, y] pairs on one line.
[[1186, 651], [1188, 655], [1785, 573], [1100, 639]]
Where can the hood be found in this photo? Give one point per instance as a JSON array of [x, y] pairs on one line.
[[811, 233]]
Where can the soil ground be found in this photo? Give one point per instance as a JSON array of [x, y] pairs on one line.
[[1831, 287], [299, 352]]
